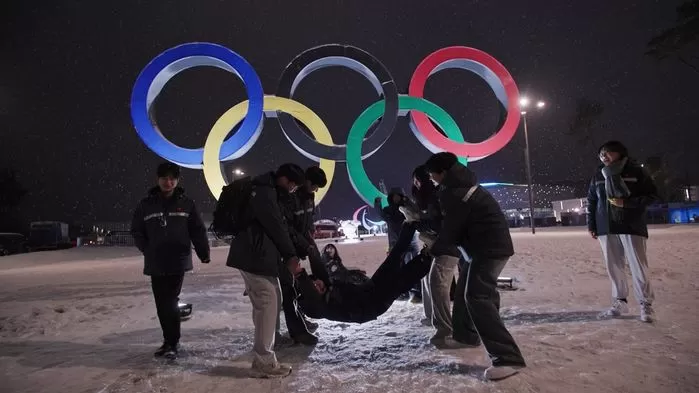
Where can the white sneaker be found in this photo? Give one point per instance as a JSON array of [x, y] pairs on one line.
[[647, 314], [493, 373], [618, 307], [278, 370]]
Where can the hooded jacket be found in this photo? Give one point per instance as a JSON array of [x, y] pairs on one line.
[[392, 215], [472, 219], [164, 230], [643, 193], [264, 245]]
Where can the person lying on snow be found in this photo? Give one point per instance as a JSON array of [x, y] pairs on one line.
[[360, 303]]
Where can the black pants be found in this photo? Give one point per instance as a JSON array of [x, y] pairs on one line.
[[464, 329], [166, 291], [483, 305], [395, 277], [292, 314]]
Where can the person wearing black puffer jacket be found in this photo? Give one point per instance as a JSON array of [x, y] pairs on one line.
[[165, 225], [437, 284], [474, 220], [298, 209], [260, 252], [617, 199]]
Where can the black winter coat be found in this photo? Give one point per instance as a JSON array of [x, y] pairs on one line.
[[264, 246], [431, 218], [298, 210], [473, 219], [164, 230], [643, 194], [343, 302]]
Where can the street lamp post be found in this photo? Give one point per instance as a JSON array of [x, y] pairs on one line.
[[524, 103]]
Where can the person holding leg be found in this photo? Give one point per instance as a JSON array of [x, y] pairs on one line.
[[474, 221], [257, 251], [437, 284], [619, 193], [165, 225]]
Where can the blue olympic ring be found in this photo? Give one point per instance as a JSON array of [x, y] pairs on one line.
[[175, 60]]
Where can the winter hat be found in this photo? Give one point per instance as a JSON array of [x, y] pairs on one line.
[[292, 172], [316, 176], [168, 169], [614, 147]]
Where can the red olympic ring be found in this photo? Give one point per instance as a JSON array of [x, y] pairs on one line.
[[425, 127]]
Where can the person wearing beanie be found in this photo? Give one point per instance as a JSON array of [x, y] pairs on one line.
[[165, 225], [298, 209], [474, 221], [264, 253], [619, 193]]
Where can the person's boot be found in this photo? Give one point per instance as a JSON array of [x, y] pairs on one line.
[[161, 351], [167, 351], [171, 353]]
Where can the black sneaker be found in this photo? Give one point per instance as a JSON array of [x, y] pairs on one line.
[[161, 351], [171, 352]]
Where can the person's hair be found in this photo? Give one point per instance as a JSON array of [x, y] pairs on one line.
[[168, 169], [316, 176], [440, 162], [614, 147], [292, 172], [423, 194], [337, 253]]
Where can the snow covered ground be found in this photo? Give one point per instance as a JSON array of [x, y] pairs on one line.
[[83, 320]]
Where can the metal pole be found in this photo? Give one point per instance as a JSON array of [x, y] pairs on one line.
[[529, 175]]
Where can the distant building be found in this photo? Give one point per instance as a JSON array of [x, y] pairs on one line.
[[569, 206]]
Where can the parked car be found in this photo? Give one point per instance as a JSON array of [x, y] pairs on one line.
[[326, 229], [13, 243]]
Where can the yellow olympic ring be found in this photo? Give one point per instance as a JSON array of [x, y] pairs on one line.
[[213, 173]]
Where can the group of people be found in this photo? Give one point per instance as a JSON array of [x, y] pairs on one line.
[[461, 225]]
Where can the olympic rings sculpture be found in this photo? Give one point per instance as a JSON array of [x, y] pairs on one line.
[[251, 113]]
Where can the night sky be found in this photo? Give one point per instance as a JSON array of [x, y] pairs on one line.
[[68, 68]]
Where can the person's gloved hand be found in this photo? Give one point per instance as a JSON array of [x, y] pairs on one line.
[[410, 215]]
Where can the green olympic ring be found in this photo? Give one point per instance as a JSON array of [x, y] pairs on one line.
[[355, 168]]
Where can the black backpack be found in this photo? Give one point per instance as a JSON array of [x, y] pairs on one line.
[[230, 216]]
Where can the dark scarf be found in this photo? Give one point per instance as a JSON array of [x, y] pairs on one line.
[[615, 187]]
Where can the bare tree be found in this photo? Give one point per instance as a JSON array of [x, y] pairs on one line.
[[677, 41]]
